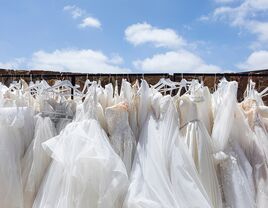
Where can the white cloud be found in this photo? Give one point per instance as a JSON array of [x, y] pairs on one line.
[[87, 20], [246, 15], [14, 64], [175, 61], [72, 60], [204, 18], [256, 61], [225, 1], [116, 59], [75, 11], [259, 28], [142, 33], [90, 22]]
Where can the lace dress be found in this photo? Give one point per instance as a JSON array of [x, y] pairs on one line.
[[121, 136], [259, 152]]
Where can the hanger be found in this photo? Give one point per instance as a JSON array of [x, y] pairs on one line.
[[61, 87], [38, 87], [99, 81], [184, 84], [87, 84], [15, 85], [194, 87], [169, 85]]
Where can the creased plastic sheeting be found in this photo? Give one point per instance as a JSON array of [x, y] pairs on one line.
[[36, 161], [235, 170], [163, 174], [16, 129], [225, 112], [85, 171]]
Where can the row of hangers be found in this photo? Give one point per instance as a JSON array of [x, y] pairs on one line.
[[164, 85]]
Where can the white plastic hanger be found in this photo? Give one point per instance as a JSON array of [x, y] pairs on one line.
[[165, 85], [63, 88], [87, 84], [264, 92], [184, 84]]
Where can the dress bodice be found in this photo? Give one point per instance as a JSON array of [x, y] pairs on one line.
[[187, 110], [159, 104], [121, 136], [204, 108], [108, 94], [117, 117], [250, 110]]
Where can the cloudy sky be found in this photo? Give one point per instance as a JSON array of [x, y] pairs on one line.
[[134, 36]]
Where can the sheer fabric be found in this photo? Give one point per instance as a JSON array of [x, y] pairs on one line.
[[163, 172]]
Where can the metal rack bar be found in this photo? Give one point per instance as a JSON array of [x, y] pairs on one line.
[[45, 75], [260, 74]]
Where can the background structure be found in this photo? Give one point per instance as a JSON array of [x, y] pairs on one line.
[[259, 77]]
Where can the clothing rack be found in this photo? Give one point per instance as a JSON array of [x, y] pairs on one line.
[[47, 74], [259, 75]]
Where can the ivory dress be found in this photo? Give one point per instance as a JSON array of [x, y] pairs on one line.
[[259, 151], [163, 172], [199, 143], [129, 95], [120, 134]]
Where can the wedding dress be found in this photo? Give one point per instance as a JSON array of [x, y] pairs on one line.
[[16, 129], [120, 134], [195, 135], [109, 91], [35, 161], [130, 96], [85, 171], [230, 145], [197, 150], [204, 108], [259, 151], [163, 173]]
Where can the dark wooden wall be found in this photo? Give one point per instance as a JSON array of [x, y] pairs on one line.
[[259, 77]]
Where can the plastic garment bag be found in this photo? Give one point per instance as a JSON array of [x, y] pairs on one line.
[[16, 129], [235, 171], [36, 161], [85, 171], [163, 174]]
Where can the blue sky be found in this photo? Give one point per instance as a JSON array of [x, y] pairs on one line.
[[134, 36]]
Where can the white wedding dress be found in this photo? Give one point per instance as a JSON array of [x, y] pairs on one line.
[[129, 95], [259, 150], [85, 170], [121, 136], [204, 108], [231, 143], [196, 136], [163, 173]]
